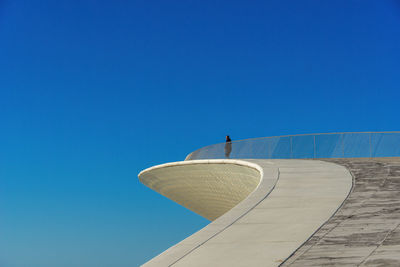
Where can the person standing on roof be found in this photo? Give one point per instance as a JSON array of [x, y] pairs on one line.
[[228, 146]]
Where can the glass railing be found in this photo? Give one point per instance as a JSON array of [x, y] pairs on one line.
[[306, 146]]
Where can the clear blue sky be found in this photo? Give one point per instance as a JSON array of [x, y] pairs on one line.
[[92, 92]]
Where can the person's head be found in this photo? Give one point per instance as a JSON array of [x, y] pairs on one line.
[[227, 138]]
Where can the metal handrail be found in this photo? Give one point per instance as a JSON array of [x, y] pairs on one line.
[[247, 151]]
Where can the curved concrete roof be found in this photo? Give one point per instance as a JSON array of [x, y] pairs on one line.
[[366, 229], [263, 209]]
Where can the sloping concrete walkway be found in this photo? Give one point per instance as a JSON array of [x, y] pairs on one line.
[[268, 226], [366, 230]]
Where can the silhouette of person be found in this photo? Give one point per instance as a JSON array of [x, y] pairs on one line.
[[228, 147]]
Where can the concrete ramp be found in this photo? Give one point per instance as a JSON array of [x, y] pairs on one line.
[[262, 211]]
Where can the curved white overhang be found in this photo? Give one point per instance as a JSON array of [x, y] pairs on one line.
[[209, 188], [262, 210]]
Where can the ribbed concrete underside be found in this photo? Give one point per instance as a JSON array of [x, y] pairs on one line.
[[366, 230], [209, 190]]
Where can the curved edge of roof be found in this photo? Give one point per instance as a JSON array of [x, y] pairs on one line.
[[283, 205], [268, 175]]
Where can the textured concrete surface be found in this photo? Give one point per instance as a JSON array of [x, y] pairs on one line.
[[268, 226], [366, 229], [209, 188]]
